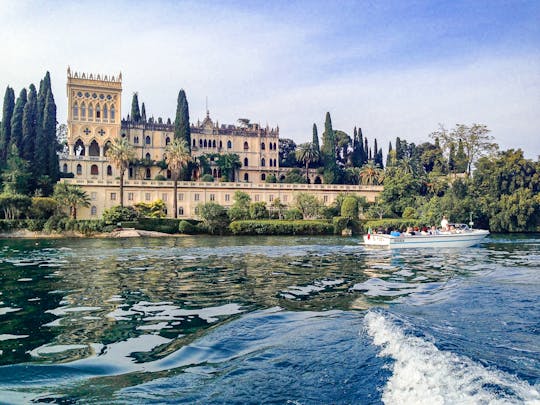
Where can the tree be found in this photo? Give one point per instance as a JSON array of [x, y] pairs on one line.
[[5, 128], [278, 207], [17, 119], [121, 153], [29, 126], [181, 124], [72, 196], [307, 153], [143, 113], [349, 207], [214, 217], [13, 205], [294, 176], [315, 142], [155, 209], [343, 143], [371, 174], [17, 174], [328, 152], [229, 163], [461, 158], [308, 205], [258, 210], [176, 157], [287, 149], [135, 111], [240, 208]]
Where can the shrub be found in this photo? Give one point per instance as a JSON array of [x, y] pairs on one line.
[[43, 207], [409, 213], [118, 214], [293, 214], [165, 225], [349, 207], [155, 209], [207, 178], [392, 223], [56, 223], [273, 227], [271, 178], [35, 225], [214, 217], [160, 177], [187, 227], [341, 223], [257, 210]]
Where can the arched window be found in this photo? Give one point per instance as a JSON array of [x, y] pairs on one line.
[[271, 162], [169, 174], [90, 112], [135, 139], [93, 150], [109, 170], [93, 211], [220, 144], [246, 177], [229, 144], [105, 111], [130, 172], [76, 111], [148, 173], [94, 171], [246, 146], [79, 169], [205, 144], [180, 210], [275, 146], [98, 112], [106, 148], [83, 111], [263, 177], [263, 146], [148, 140], [214, 173], [245, 161], [168, 141], [275, 163], [270, 144], [194, 143], [263, 162], [318, 180], [214, 143], [79, 148], [147, 156], [64, 168], [112, 113]]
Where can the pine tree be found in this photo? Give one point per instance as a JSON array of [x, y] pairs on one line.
[[17, 119], [315, 141], [5, 129], [29, 126], [181, 123], [328, 152], [143, 113], [135, 111]]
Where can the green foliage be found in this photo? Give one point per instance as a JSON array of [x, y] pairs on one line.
[[308, 205], [409, 213], [349, 208], [5, 125], [517, 212], [164, 225], [160, 177], [17, 174], [294, 176], [228, 163], [276, 227], [181, 123], [117, 214], [271, 178], [14, 205], [342, 223], [287, 150], [292, 214], [240, 208], [72, 196], [391, 223], [135, 111], [155, 209], [187, 227], [257, 210], [43, 207], [208, 178], [400, 190], [214, 217]]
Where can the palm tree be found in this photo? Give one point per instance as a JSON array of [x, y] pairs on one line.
[[72, 196], [307, 153], [228, 163], [121, 153], [370, 174], [177, 156]]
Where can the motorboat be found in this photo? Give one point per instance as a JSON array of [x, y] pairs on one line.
[[460, 236]]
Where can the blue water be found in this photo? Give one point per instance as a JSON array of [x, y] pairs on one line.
[[303, 320]]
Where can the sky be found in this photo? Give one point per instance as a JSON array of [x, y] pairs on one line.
[[393, 68]]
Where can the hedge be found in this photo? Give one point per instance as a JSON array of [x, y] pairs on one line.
[[341, 223], [56, 223], [277, 227], [392, 223]]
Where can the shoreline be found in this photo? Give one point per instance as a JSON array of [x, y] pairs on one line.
[[123, 233]]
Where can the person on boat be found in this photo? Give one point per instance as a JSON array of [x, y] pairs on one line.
[[433, 230], [410, 231], [444, 223]]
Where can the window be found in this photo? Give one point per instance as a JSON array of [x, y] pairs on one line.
[[220, 144], [112, 113], [168, 141], [246, 177], [325, 198], [147, 156], [229, 144], [200, 143], [83, 111], [109, 170], [130, 196], [98, 111], [136, 139], [147, 196], [180, 210], [263, 162], [64, 168], [93, 211], [263, 177], [75, 111], [213, 144], [263, 146], [164, 197], [196, 198], [181, 197], [245, 161], [194, 143], [113, 196], [270, 144], [271, 162], [270, 198], [105, 111], [227, 197], [90, 112], [148, 140], [79, 170], [93, 149], [285, 198], [246, 146], [212, 197], [93, 195], [256, 197], [148, 173], [205, 143]]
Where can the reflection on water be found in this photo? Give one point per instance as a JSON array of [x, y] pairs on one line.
[[111, 307]]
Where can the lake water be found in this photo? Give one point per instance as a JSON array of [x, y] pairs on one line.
[[289, 320]]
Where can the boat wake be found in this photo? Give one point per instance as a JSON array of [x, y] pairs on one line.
[[423, 374]]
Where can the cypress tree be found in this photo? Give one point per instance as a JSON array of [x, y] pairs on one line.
[[49, 129], [5, 129], [375, 148], [367, 151], [461, 158], [361, 150], [29, 126], [329, 152], [135, 111], [17, 120], [181, 123], [316, 141], [389, 155], [399, 152], [143, 113], [356, 157], [379, 159], [370, 155]]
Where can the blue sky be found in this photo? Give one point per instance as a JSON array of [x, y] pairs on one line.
[[393, 68]]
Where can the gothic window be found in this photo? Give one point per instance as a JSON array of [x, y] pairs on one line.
[[112, 113], [83, 111], [109, 170], [148, 173], [205, 143], [93, 150], [263, 162], [263, 177], [169, 174], [271, 162], [229, 144], [136, 139], [105, 111], [64, 168], [200, 143], [98, 111], [168, 141], [76, 111], [79, 148], [214, 143], [245, 161], [214, 173], [93, 211], [246, 146], [148, 141], [275, 148], [94, 171], [79, 169], [270, 144], [220, 144], [246, 177], [194, 143], [263, 146], [147, 156], [90, 111]]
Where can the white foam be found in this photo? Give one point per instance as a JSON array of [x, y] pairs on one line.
[[423, 374], [7, 336]]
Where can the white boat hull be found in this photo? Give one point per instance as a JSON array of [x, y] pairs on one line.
[[443, 240]]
